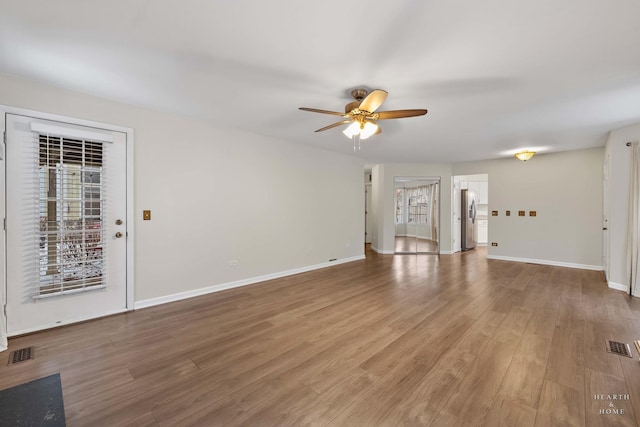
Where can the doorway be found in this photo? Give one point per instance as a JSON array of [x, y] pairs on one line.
[[69, 216], [417, 215], [478, 231], [367, 210]]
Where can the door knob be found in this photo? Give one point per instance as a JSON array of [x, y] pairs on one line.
[[118, 235]]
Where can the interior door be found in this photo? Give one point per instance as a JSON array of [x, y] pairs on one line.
[[367, 209], [66, 188]]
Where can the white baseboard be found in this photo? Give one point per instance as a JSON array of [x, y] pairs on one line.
[[380, 251], [244, 282], [447, 252], [618, 287], [547, 262]]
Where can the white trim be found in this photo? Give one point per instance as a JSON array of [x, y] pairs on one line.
[[380, 251], [547, 262], [447, 252], [64, 119], [238, 283], [618, 287], [130, 222], [417, 178], [64, 323], [4, 344]]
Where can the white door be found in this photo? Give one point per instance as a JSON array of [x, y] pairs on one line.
[[66, 194], [367, 209]]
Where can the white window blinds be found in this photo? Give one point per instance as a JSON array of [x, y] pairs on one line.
[[70, 209]]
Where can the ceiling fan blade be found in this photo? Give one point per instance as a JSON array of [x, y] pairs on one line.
[[399, 114], [344, 122], [373, 100], [315, 110]]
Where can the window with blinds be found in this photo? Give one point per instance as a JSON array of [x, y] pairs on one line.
[[412, 205], [71, 215]]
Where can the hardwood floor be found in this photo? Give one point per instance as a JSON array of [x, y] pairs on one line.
[[412, 244], [391, 340]]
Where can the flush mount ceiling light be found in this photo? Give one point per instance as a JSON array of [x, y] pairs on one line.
[[524, 155], [361, 116]]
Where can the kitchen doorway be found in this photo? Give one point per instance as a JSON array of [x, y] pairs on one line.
[[476, 188]]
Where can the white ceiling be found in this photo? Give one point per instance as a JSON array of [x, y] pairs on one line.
[[496, 75]]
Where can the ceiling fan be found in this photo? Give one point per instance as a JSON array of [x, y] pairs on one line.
[[362, 116]]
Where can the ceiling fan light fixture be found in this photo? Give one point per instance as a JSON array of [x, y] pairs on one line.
[[351, 130], [524, 155], [368, 129], [361, 116]]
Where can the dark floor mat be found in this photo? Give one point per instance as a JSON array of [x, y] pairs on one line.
[[36, 403]]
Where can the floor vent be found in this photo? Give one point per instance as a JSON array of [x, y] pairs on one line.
[[619, 348], [21, 355]]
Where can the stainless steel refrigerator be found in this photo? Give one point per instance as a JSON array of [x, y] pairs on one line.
[[468, 219]]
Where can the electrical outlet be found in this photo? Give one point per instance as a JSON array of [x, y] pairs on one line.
[[494, 244], [146, 215], [233, 263]]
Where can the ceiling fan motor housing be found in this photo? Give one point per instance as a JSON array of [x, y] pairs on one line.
[[358, 94]]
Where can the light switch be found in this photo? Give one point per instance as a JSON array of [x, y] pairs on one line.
[[508, 213], [146, 215]]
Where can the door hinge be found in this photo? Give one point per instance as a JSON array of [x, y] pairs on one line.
[[4, 137], [5, 310], [5, 224]]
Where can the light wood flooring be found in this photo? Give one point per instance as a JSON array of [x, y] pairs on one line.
[[453, 340], [412, 244]]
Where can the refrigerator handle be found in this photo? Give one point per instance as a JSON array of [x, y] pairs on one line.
[[473, 212]]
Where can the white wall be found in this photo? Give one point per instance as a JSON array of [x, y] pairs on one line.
[[377, 210], [619, 170], [565, 189], [218, 194]]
